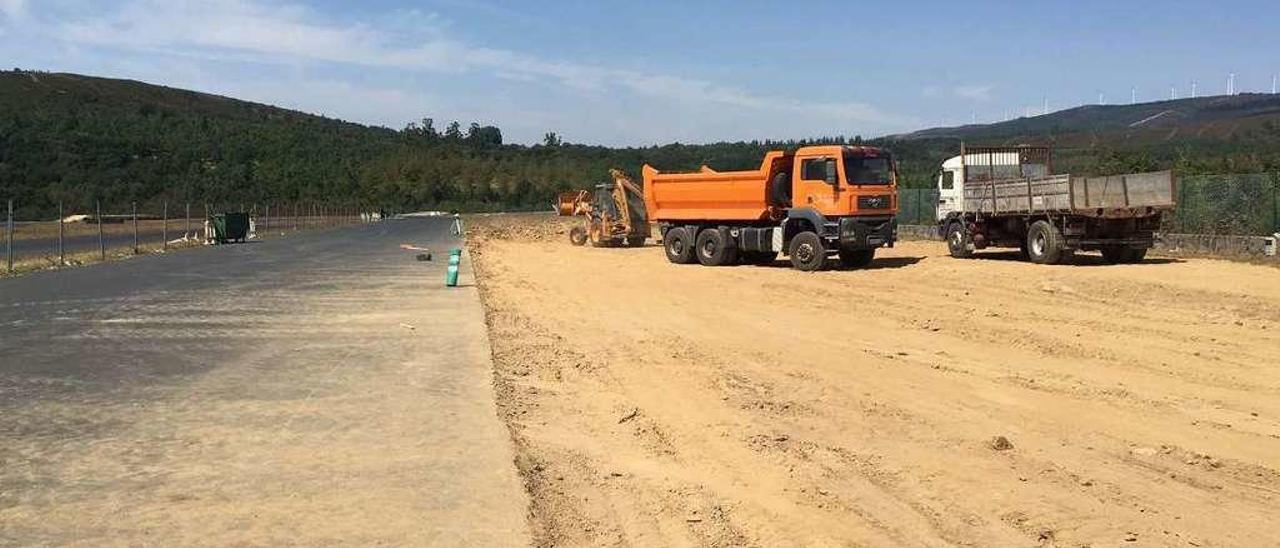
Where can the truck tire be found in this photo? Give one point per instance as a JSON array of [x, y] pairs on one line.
[[1137, 255], [807, 252], [578, 235], [760, 258], [857, 258], [715, 248], [678, 246], [959, 243], [1045, 244]]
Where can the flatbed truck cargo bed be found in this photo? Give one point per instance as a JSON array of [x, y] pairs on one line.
[[1138, 194]]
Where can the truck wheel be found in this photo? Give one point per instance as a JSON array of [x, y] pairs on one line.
[[1137, 255], [958, 241], [714, 248], [635, 241], [762, 258], [856, 258], [1045, 244], [679, 248], [807, 252], [578, 236]]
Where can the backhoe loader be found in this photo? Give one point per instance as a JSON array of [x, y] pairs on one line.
[[613, 214]]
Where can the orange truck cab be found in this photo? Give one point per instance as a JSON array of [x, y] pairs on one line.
[[810, 204]]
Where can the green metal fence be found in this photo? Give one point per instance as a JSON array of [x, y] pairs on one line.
[[917, 206], [1243, 203], [1239, 203]]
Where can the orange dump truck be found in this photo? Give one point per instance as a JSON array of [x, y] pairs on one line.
[[811, 204]]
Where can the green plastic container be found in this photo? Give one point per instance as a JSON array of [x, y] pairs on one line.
[[230, 227], [455, 260]]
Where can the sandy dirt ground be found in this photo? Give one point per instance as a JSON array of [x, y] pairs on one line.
[[925, 401]]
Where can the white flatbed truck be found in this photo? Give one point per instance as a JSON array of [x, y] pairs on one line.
[[1009, 197]]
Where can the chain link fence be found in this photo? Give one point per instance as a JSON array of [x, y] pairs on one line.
[[1243, 204], [96, 232], [917, 206], [1246, 204]]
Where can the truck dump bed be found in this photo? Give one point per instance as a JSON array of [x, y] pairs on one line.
[[711, 195], [1137, 194]]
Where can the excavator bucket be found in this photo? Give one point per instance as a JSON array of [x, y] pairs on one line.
[[570, 203]]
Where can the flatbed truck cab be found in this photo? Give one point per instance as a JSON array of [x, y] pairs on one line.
[[811, 204]]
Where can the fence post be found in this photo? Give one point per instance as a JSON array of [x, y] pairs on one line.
[[8, 236], [102, 239], [164, 230], [62, 248], [135, 228], [266, 218], [1275, 202], [187, 230], [915, 216], [1182, 207]]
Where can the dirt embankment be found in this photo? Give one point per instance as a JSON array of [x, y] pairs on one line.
[[923, 401]]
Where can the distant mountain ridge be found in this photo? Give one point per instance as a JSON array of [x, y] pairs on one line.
[[1214, 117]]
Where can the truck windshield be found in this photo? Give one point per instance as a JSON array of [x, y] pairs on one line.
[[861, 170]]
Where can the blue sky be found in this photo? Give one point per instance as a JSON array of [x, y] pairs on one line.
[[623, 73]]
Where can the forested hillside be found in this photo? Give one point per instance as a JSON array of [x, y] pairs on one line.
[[77, 139]]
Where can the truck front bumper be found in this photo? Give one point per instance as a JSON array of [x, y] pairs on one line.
[[868, 232]]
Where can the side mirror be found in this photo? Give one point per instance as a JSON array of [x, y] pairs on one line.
[[832, 176]]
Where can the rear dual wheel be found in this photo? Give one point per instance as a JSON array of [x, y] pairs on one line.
[[715, 247], [679, 245], [1045, 244]]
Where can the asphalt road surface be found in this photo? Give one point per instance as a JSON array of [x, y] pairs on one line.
[[48, 247], [317, 389]]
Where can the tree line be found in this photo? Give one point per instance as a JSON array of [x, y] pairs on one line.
[[78, 140]]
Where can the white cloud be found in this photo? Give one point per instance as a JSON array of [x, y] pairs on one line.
[[248, 30], [13, 9]]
